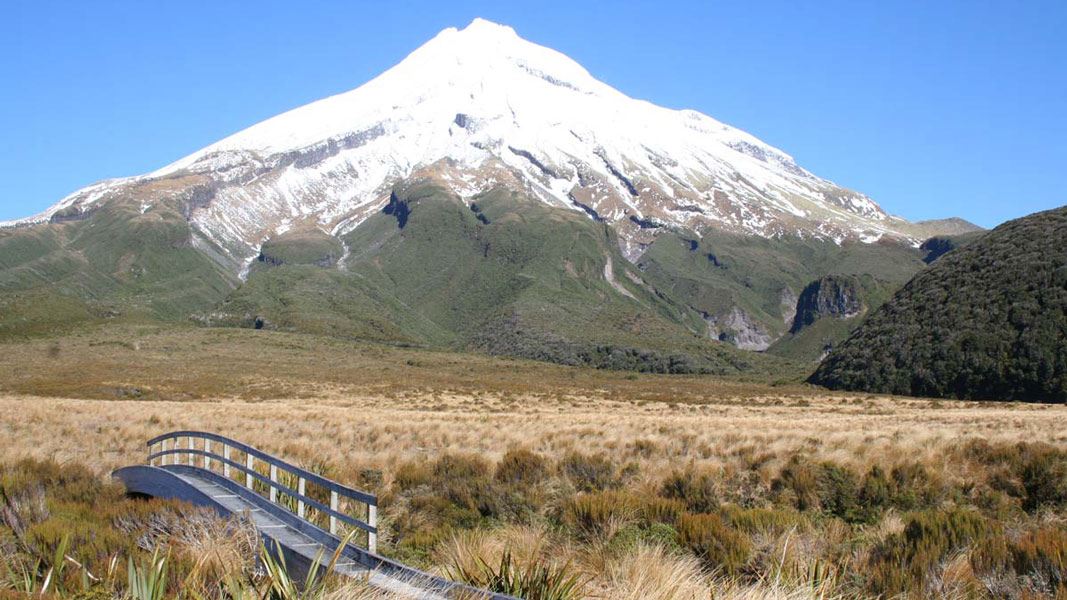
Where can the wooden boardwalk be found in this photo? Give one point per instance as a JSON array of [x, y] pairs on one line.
[[297, 513]]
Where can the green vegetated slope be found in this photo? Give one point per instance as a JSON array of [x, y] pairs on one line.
[[940, 245], [986, 321], [302, 246], [116, 262], [508, 275], [765, 277], [816, 329]]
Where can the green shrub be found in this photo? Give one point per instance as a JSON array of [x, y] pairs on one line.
[[596, 514], [411, 475], [460, 466], [876, 492], [914, 487], [696, 490], [589, 473], [798, 485], [904, 561], [520, 466], [1044, 480], [662, 510], [1041, 556], [824, 487], [760, 520], [720, 546], [839, 493], [1035, 561]]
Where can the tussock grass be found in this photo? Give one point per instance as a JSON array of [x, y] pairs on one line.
[[692, 487]]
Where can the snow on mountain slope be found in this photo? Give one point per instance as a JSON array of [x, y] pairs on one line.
[[479, 107]]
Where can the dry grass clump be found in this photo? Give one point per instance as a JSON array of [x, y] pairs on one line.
[[211, 545], [650, 572]]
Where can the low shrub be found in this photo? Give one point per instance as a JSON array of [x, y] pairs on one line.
[[460, 467], [520, 466], [411, 475], [824, 487], [904, 561], [1041, 557], [696, 490], [914, 487], [662, 510], [589, 472], [1044, 480], [720, 546], [760, 520], [600, 514]]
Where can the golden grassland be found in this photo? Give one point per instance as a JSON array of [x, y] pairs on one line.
[[645, 486], [369, 432]]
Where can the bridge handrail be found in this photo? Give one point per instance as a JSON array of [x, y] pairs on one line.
[[281, 487], [303, 475], [329, 484]]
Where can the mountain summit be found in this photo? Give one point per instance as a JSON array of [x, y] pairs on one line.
[[489, 194], [478, 108]]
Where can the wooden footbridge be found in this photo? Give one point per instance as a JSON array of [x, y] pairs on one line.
[[298, 513]]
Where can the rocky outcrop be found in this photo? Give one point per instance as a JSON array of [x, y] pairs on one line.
[[737, 328], [836, 296], [788, 302]]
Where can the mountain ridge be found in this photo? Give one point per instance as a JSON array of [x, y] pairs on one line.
[[480, 106], [565, 221], [986, 321]]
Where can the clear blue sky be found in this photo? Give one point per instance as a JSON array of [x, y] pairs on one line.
[[934, 109]]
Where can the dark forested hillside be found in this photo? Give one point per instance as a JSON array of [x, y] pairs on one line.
[[986, 321]]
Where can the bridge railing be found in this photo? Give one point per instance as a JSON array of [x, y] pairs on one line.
[[200, 447]]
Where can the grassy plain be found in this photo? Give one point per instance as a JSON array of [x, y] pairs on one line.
[[645, 486]]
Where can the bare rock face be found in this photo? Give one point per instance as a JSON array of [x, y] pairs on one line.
[[836, 296], [737, 328], [789, 305]]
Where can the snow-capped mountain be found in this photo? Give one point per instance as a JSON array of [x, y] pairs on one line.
[[481, 107]]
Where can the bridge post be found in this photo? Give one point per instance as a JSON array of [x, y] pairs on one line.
[[207, 459], [273, 479], [226, 465], [249, 465], [333, 507], [163, 448], [300, 484], [372, 520], [192, 446]]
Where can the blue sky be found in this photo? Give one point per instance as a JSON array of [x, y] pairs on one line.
[[935, 109]]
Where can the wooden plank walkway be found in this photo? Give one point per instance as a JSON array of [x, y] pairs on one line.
[[301, 543]]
